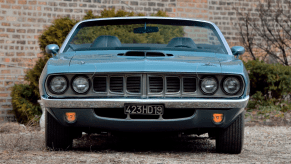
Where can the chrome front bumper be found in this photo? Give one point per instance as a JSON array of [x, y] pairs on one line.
[[169, 103]]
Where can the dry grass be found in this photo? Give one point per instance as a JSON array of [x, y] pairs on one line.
[[17, 137], [264, 144]]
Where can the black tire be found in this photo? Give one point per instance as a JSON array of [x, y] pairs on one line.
[[230, 140], [57, 137]]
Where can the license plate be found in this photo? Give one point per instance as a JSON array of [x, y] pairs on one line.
[[143, 109]]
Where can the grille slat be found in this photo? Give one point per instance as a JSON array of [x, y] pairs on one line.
[[116, 84], [99, 84], [155, 84], [189, 84], [133, 84], [173, 84]]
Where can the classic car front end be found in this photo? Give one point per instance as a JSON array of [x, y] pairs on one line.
[[144, 75]]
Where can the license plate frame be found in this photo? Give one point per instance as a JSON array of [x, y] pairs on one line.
[[144, 109]]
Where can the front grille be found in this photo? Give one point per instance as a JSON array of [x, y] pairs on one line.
[[99, 84], [145, 85], [173, 84], [189, 84], [155, 84], [133, 84], [116, 84]]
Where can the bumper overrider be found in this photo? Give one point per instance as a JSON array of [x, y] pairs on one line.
[[202, 118]]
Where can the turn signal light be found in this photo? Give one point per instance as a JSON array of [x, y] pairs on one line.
[[71, 117], [217, 117]]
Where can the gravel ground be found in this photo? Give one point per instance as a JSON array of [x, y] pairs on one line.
[[262, 144]]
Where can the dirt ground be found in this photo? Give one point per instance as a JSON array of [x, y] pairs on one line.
[[262, 144]]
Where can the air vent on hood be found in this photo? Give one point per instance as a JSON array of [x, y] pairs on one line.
[[134, 53], [155, 54]]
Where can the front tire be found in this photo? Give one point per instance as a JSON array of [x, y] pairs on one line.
[[57, 137], [230, 140]]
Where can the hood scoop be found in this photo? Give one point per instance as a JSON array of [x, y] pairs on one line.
[[155, 54], [146, 54]]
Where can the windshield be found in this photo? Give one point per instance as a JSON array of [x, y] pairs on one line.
[[139, 34]]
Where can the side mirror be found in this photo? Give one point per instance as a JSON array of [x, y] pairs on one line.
[[237, 50], [52, 49]]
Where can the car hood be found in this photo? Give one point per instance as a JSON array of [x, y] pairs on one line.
[[115, 63], [188, 62]]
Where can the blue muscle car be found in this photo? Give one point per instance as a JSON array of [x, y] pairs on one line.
[[145, 75]]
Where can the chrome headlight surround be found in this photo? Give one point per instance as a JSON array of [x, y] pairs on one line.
[[237, 81], [86, 82], [203, 82], [52, 79]]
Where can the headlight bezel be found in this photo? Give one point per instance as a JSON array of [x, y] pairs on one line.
[[200, 85], [49, 86], [72, 81], [240, 82]]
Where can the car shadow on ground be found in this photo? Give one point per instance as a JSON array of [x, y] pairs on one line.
[[141, 143]]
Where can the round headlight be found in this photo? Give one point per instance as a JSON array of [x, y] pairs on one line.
[[81, 84], [58, 84], [231, 85], [209, 85]]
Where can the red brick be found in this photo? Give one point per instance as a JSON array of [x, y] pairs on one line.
[[180, 9], [199, 6], [42, 3], [10, 1], [4, 35], [5, 24], [10, 30], [7, 60], [7, 83], [188, 10], [23, 2], [20, 31], [5, 71], [182, 4], [16, 24], [191, 5], [172, 14], [16, 7], [4, 94], [32, 2], [9, 18], [6, 106], [5, 6]]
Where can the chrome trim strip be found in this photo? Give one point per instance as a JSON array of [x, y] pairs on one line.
[[169, 103]]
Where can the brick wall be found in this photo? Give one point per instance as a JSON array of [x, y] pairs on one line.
[[22, 21]]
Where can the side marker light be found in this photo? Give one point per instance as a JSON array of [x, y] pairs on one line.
[[71, 117], [217, 117]]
